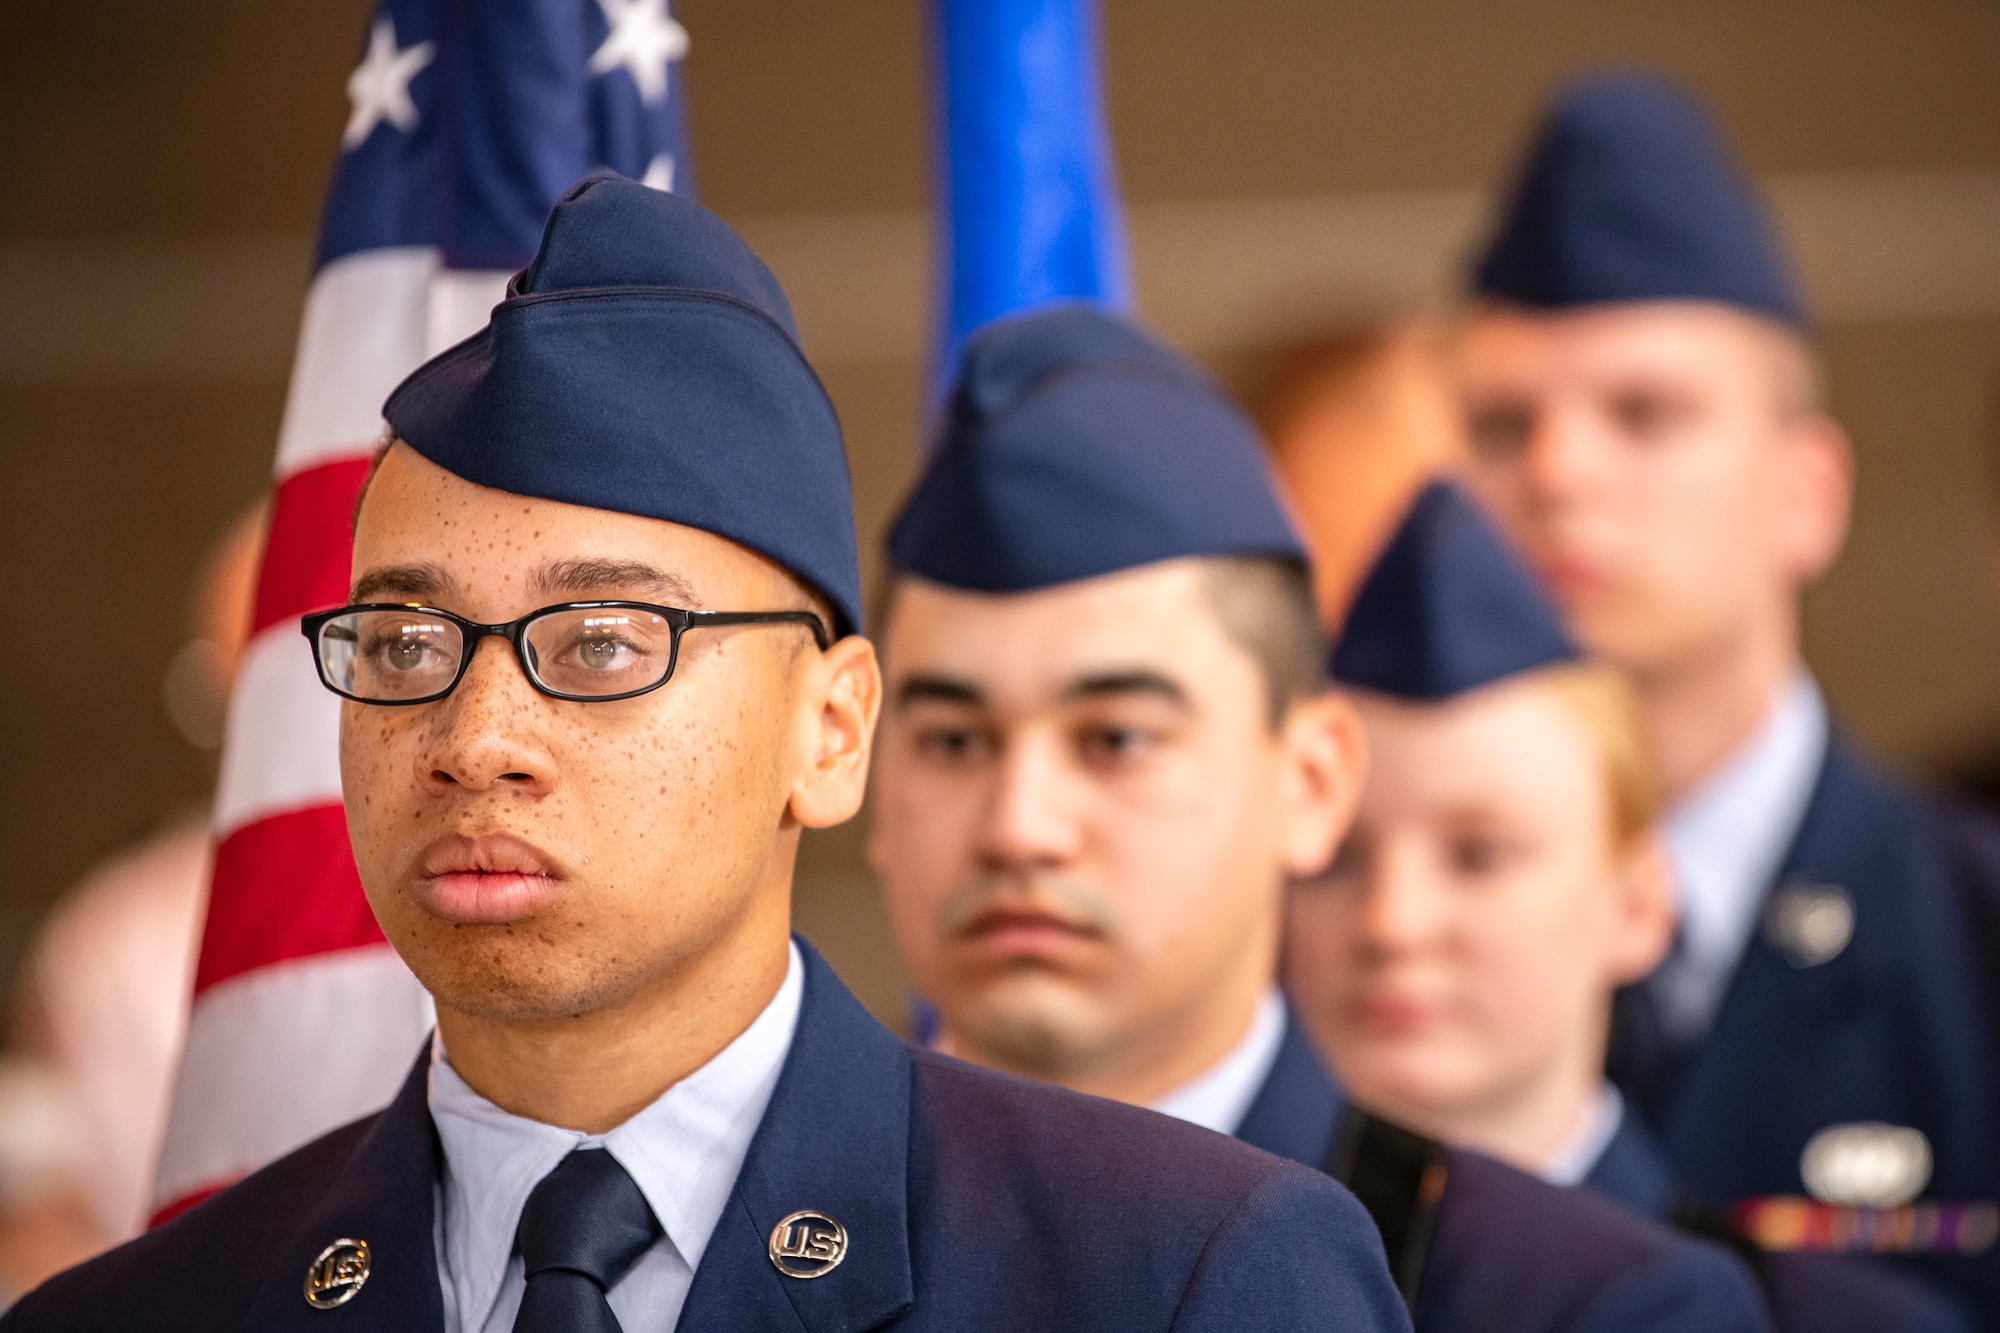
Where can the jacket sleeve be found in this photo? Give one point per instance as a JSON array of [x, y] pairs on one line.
[[1695, 1287], [1296, 1253]]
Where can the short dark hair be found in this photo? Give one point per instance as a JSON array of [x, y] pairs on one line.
[[1266, 607]]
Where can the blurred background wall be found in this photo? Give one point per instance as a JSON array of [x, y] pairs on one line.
[[1290, 165]]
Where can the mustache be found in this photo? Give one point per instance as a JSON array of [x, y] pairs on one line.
[[1053, 895]]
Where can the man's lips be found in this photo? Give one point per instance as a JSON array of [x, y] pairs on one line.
[[1395, 1015], [496, 878], [1570, 575], [1017, 930]]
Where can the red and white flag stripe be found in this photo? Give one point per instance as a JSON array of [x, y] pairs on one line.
[[303, 1017]]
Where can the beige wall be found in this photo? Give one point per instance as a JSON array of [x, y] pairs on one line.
[[161, 168]]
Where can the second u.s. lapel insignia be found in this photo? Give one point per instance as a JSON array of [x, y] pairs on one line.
[[1809, 923], [807, 1244], [335, 1277]]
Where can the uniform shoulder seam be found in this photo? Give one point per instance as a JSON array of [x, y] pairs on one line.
[[1250, 1195]]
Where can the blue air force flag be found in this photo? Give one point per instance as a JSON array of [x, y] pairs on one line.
[[1026, 195]]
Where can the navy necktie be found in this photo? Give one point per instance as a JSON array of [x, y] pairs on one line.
[[1647, 1056], [584, 1225]]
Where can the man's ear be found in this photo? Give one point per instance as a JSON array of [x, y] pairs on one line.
[[1818, 495], [1644, 928], [1325, 757], [839, 695]]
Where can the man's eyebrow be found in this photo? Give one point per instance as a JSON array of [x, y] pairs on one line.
[[581, 576], [939, 689], [424, 582], [1113, 683]]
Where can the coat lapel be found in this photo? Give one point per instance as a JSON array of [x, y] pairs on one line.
[[1295, 1112], [384, 1195], [1633, 1169], [834, 1141], [1878, 1031]]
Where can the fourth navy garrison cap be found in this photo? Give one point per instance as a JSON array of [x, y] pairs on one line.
[[1630, 195]]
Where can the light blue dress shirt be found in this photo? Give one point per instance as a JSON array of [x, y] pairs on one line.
[[1727, 840], [684, 1151]]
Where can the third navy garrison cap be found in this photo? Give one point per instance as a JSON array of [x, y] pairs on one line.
[[646, 362], [1074, 446], [1447, 608], [1630, 195]]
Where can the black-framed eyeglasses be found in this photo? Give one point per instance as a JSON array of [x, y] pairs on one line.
[[396, 653]]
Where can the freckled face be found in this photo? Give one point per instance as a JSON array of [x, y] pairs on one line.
[[534, 857]]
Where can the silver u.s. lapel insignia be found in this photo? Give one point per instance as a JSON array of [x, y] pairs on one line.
[[1866, 1164], [335, 1277], [807, 1244], [1809, 923]]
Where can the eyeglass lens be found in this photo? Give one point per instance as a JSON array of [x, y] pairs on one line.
[[399, 655], [608, 650]]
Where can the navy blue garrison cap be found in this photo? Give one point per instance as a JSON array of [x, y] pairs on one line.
[[1630, 195], [1073, 445], [1447, 608], [647, 362]]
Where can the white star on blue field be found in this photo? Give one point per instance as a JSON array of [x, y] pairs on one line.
[[379, 87], [644, 40]]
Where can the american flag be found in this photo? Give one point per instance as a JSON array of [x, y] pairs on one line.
[[467, 118]]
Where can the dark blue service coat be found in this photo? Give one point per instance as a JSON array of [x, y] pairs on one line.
[[1515, 1254], [1807, 1293], [1898, 1027], [971, 1201]]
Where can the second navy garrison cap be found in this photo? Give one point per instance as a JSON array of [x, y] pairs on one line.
[[1073, 446]]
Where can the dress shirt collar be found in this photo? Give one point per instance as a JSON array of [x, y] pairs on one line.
[[1728, 839], [1576, 1158], [1219, 1098], [684, 1151]]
